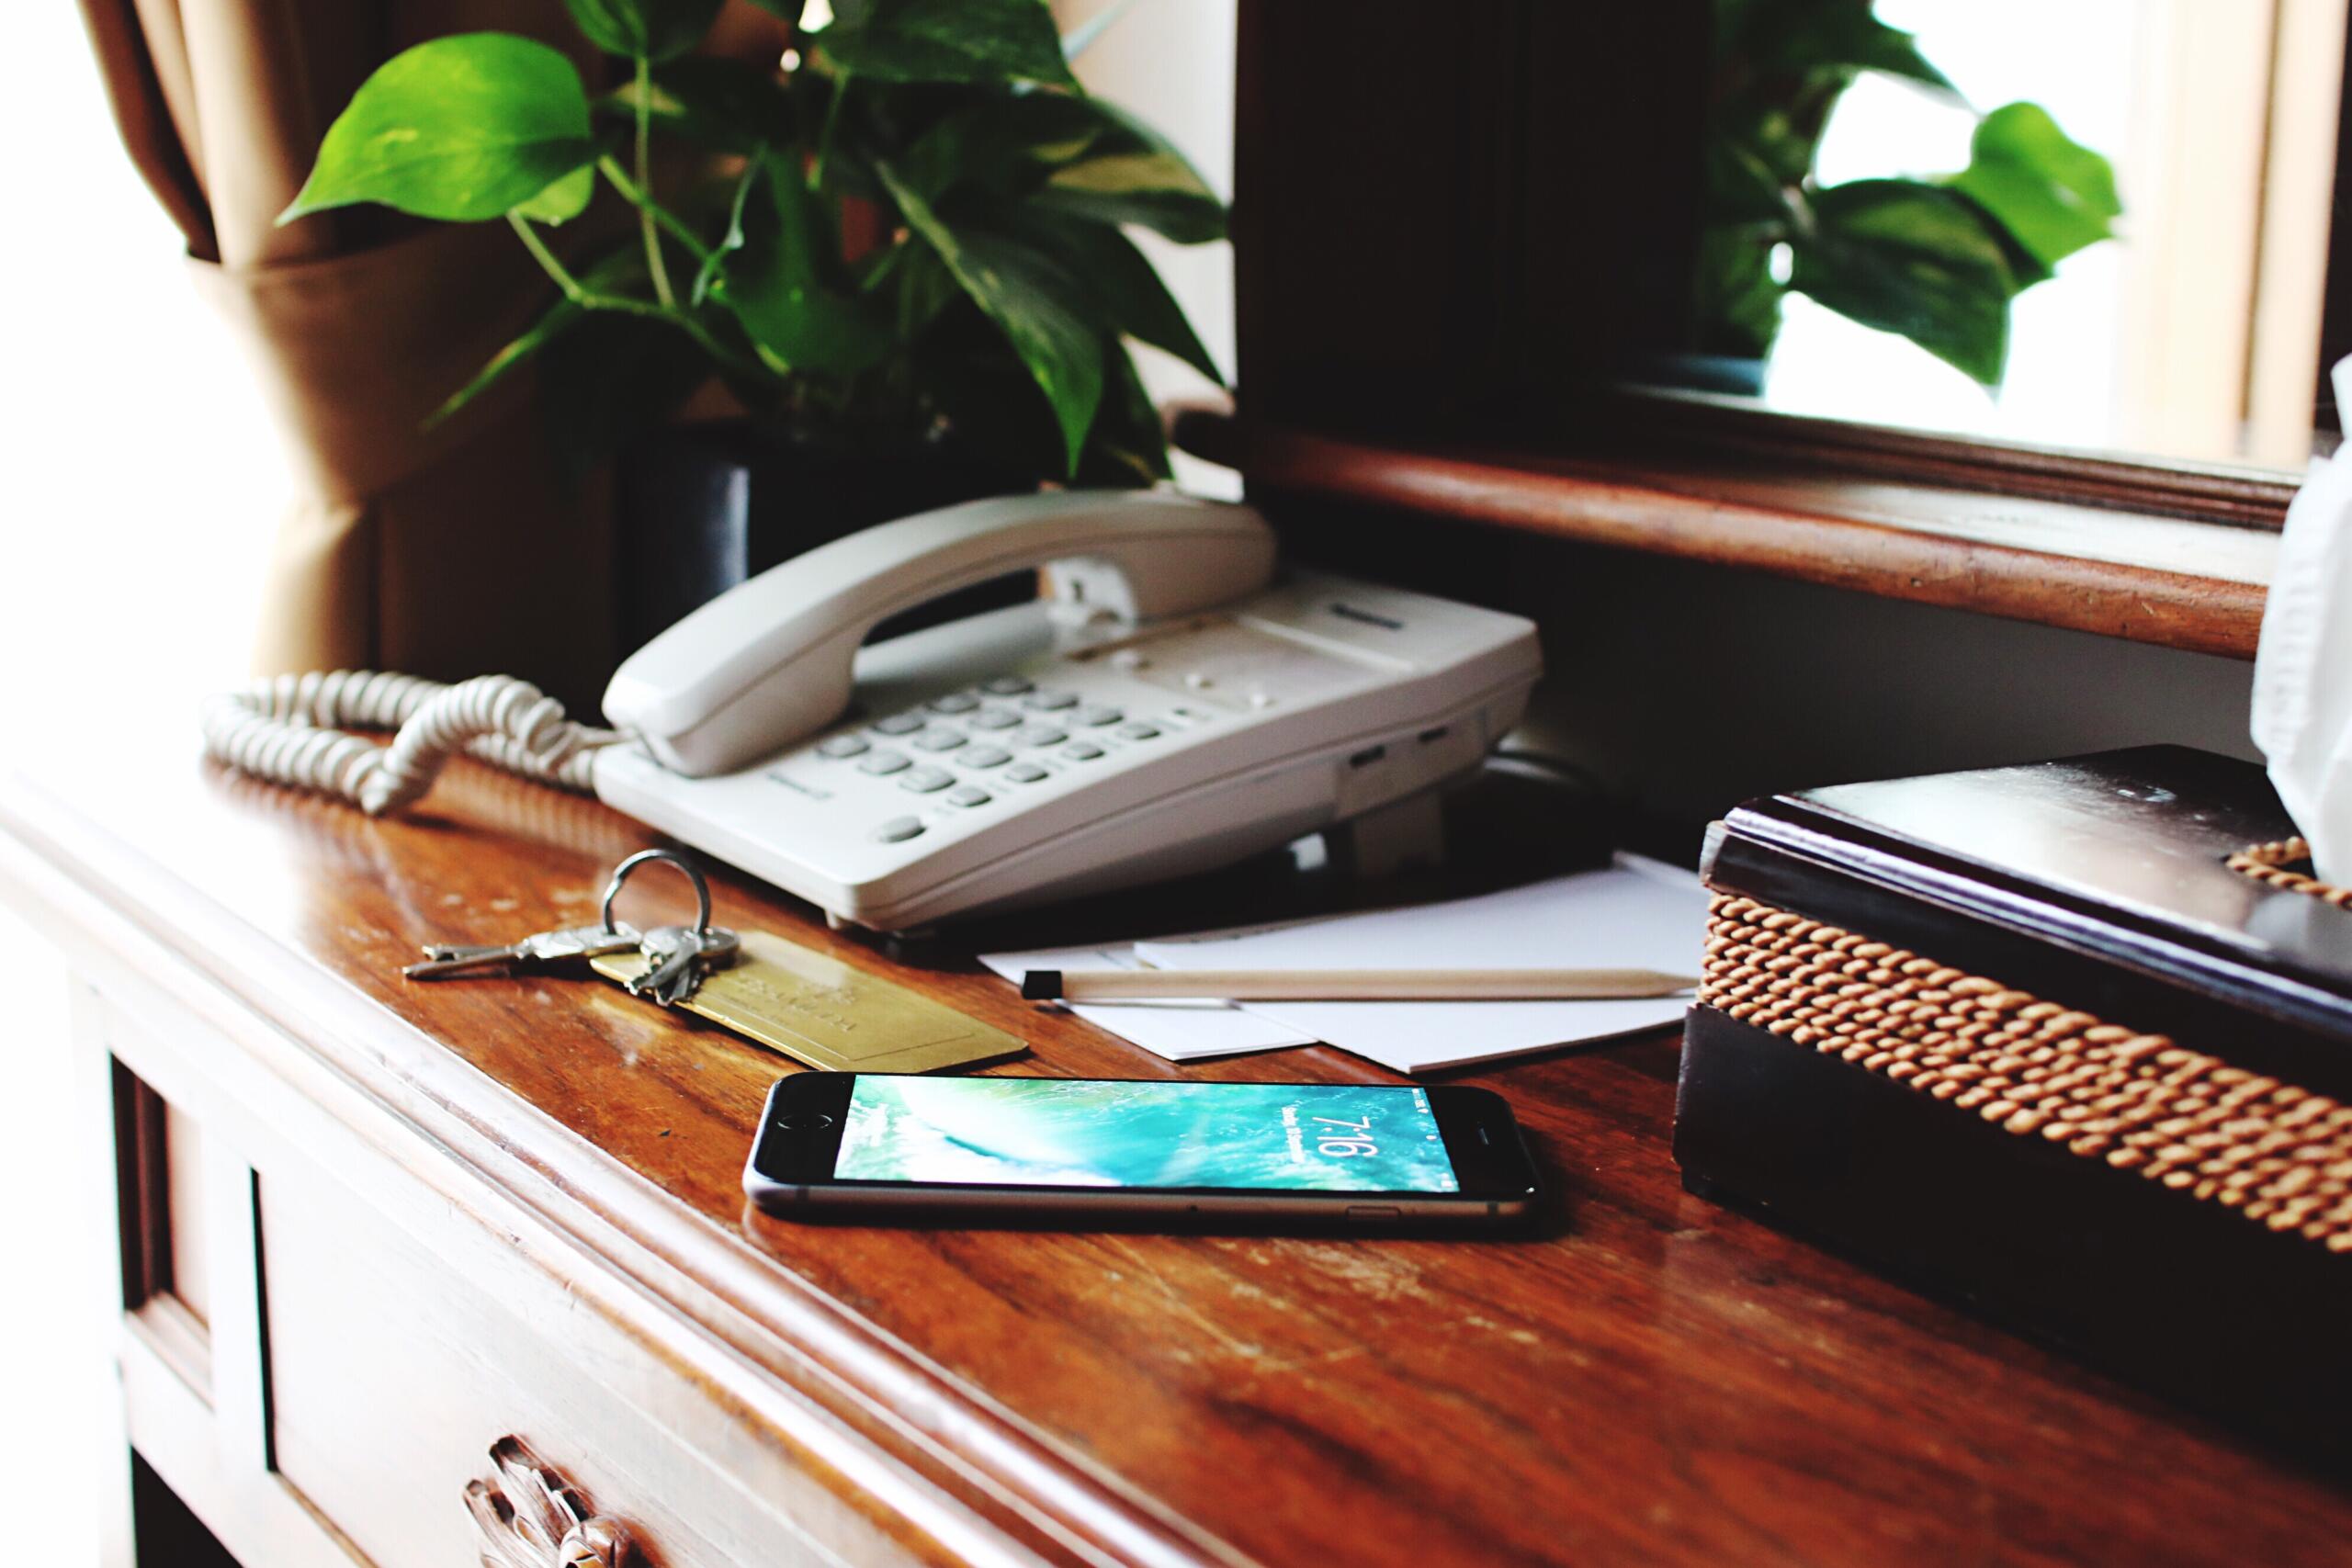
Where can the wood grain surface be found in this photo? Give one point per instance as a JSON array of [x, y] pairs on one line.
[[2175, 583], [1649, 1379]]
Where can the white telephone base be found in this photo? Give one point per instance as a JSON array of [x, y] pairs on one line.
[[1023, 755]]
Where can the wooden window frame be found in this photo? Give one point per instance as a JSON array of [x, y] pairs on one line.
[[1424, 216]]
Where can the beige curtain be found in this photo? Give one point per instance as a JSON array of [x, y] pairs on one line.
[[448, 554]]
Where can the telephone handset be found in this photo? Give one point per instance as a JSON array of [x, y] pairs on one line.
[[771, 660], [1168, 703]]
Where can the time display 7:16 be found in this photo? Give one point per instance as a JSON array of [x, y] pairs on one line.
[[1355, 1140]]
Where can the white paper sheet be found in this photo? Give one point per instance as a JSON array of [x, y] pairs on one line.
[[1180, 1031], [1638, 914]]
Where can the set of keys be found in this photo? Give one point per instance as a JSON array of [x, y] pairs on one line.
[[677, 958], [807, 1005]]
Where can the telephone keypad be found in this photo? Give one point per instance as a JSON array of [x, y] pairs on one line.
[[966, 738]]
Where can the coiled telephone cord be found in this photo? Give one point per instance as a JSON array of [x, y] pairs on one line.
[[292, 730]]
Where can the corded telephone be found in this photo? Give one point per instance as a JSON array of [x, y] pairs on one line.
[[1166, 705]]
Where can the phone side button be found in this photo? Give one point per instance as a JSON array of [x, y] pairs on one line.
[[1372, 1214]]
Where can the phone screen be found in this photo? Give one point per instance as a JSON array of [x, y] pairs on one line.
[[1075, 1133]]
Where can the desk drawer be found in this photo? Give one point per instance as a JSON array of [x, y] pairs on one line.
[[393, 1369]]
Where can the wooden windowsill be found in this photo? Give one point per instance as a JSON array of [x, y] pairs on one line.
[[2164, 580]]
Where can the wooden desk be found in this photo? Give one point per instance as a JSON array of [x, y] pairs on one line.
[[372, 1226]]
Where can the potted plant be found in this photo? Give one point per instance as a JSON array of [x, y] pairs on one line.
[[1937, 260], [901, 251]]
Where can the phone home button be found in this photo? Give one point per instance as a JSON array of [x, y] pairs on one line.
[[803, 1120]]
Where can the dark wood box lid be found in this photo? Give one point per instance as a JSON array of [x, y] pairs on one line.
[[2099, 882]]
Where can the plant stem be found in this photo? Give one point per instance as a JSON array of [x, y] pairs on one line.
[[734, 238], [825, 136], [590, 299], [635, 195], [573, 290], [654, 266], [719, 351]]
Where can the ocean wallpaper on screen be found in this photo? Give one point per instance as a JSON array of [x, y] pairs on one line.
[[1070, 1133]]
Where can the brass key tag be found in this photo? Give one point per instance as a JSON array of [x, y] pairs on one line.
[[819, 1010]]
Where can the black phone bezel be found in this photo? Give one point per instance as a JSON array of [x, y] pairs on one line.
[[1491, 1164]]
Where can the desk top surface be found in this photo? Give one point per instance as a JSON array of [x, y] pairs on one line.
[[1651, 1378]]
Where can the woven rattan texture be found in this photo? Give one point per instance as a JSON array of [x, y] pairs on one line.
[[2268, 863], [2275, 1154]]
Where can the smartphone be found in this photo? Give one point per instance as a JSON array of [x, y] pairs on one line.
[[884, 1148]]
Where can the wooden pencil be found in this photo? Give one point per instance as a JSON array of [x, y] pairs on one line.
[[1349, 985]]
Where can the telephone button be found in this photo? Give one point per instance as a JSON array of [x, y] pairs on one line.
[[969, 794], [1137, 732], [1084, 750], [899, 724], [1004, 685], [986, 757], [938, 740], [954, 702], [1026, 773], [884, 762], [1050, 702], [841, 746], [1097, 717], [898, 830], [1373, 1215], [923, 780], [993, 718], [1042, 735]]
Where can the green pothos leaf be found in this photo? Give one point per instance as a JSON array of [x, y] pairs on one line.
[[1128, 445], [2052, 193], [1124, 287], [650, 30], [1033, 300], [787, 286], [1914, 259], [462, 129], [985, 42]]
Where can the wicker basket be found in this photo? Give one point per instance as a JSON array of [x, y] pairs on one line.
[[2052, 1043]]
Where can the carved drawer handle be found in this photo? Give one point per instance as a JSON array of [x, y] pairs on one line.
[[530, 1517]]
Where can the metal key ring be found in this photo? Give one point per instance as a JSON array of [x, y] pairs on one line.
[[621, 875]]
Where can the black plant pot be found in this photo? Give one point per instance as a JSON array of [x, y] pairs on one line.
[[701, 507]]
